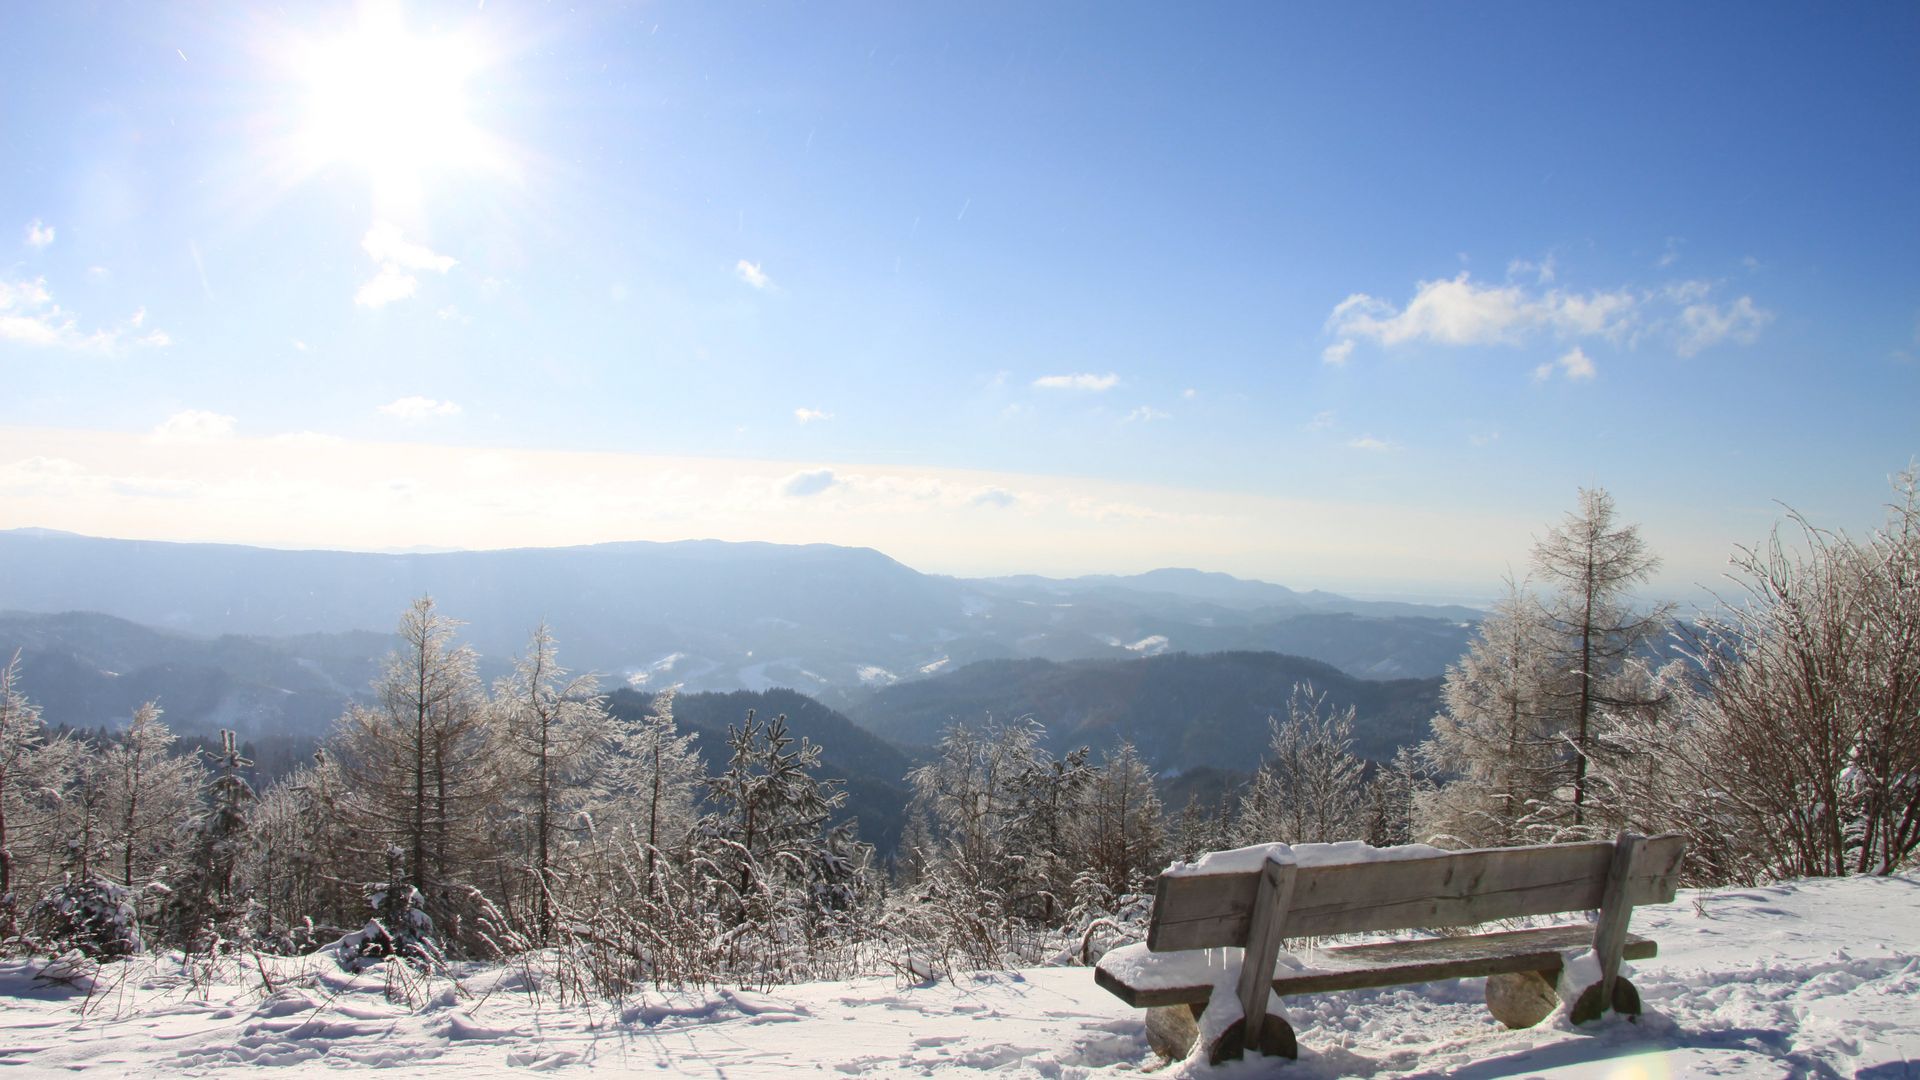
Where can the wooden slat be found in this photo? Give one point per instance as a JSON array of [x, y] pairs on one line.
[[1446, 889], [1396, 963]]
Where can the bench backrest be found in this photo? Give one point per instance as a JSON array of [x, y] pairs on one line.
[[1209, 910]]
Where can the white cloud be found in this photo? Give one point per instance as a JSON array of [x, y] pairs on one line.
[[807, 416], [751, 273], [998, 498], [39, 233], [1484, 439], [1460, 311], [1368, 442], [390, 284], [419, 408], [29, 316], [385, 244], [396, 255], [802, 484], [193, 426], [301, 346], [1671, 254], [1704, 325], [1078, 381], [1189, 393], [1575, 364], [1146, 413], [1322, 420]]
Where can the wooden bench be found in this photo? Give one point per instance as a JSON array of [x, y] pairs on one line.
[[1255, 897]]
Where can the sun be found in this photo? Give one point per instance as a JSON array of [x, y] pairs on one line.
[[392, 103]]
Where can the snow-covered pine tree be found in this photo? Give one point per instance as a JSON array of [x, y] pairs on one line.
[[770, 811], [207, 905]]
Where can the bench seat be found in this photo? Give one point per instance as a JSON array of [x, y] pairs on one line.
[[1393, 963]]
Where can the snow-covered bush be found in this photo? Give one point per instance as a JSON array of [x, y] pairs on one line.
[[92, 915]]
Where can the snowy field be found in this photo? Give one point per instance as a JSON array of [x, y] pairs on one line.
[[1820, 979]]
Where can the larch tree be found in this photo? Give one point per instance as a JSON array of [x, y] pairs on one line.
[[1121, 836], [414, 771], [554, 737], [1591, 563], [660, 775], [1497, 732]]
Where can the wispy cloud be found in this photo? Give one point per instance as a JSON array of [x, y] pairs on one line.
[[1369, 443], [194, 426], [803, 484], [1078, 381], [807, 416], [1145, 414], [998, 498], [1322, 420], [751, 273], [1669, 254], [39, 233], [1575, 364], [417, 407], [1707, 324], [1485, 438], [386, 245], [1337, 353], [29, 316]]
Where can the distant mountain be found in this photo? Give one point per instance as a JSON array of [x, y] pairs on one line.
[[706, 615], [1181, 711], [88, 670], [874, 770]]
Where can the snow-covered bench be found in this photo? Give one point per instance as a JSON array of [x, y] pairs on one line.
[[1205, 912]]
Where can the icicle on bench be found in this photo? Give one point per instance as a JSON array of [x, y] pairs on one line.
[[1254, 897]]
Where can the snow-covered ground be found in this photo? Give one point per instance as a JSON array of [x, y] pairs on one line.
[[1813, 979]]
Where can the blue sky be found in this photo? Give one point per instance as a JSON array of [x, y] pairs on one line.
[[1352, 296]]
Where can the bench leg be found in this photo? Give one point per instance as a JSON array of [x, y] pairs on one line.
[[1626, 1002], [1276, 1040], [1521, 999]]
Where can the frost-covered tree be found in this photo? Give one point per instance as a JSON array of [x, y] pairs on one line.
[[553, 738], [1121, 836], [1001, 817], [1311, 788], [152, 796], [1801, 756], [770, 811], [35, 771], [414, 768], [1498, 731], [1591, 563], [659, 779]]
